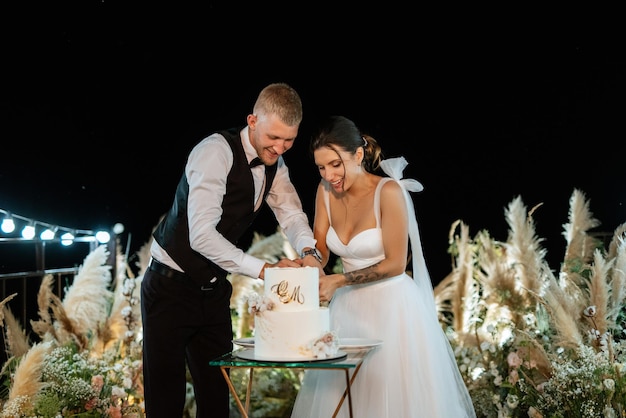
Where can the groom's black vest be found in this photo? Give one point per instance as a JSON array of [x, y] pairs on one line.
[[172, 233]]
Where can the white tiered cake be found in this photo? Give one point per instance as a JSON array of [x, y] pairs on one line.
[[289, 323]]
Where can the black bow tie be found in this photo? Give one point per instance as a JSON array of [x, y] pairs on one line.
[[255, 161]]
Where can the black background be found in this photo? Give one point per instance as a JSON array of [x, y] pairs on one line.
[[101, 104]]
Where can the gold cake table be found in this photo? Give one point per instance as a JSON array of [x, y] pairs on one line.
[[352, 360]]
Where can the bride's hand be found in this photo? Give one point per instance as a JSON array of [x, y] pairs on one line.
[[328, 285]]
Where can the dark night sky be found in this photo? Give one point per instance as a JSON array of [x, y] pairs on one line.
[[98, 113]]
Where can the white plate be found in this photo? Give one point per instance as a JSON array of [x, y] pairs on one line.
[[249, 354], [245, 342], [358, 343]]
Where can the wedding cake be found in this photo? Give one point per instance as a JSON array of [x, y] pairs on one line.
[[289, 323]]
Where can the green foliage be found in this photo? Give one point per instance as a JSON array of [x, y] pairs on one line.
[[273, 391]]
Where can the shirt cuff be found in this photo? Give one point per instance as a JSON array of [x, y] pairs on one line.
[[305, 243], [253, 266]]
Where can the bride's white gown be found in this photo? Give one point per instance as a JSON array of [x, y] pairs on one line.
[[414, 372]]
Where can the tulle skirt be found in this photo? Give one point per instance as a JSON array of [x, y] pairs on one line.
[[412, 374]]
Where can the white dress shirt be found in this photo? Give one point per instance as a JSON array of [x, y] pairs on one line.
[[207, 167]]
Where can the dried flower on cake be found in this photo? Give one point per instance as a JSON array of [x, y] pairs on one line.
[[326, 346], [258, 303]]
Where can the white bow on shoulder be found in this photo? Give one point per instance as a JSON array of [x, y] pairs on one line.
[[394, 167]]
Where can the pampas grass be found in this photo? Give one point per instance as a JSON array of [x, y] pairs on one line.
[[2, 305], [524, 251], [91, 321], [580, 245], [26, 381], [17, 343], [15, 340], [617, 252], [83, 314], [564, 313], [88, 300], [43, 326], [529, 342], [123, 322], [456, 295]]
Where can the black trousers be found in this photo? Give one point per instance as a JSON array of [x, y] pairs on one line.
[[184, 326]]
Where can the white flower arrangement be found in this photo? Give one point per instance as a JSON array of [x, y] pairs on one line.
[[78, 384], [89, 363], [530, 344], [258, 304], [326, 346]]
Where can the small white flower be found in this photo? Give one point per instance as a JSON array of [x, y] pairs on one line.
[[512, 401], [258, 303], [126, 311], [326, 346], [590, 311], [118, 391]]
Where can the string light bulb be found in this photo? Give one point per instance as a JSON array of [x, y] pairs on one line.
[[67, 239], [48, 234], [68, 236], [29, 231], [103, 237], [8, 224]]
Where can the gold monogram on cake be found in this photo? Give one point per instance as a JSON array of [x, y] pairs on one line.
[[282, 291]]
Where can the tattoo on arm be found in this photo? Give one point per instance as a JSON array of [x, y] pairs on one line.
[[366, 275]]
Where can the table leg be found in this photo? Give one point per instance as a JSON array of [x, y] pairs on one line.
[[347, 392], [244, 411], [249, 389]]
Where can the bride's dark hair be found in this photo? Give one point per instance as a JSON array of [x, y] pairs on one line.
[[339, 131]]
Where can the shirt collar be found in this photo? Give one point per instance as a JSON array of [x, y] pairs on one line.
[[247, 146]]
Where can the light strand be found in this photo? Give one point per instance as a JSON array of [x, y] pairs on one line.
[[51, 231]]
